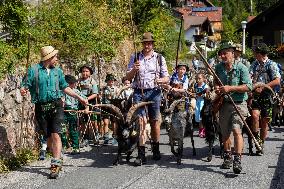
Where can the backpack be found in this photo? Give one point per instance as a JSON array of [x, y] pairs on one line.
[[269, 73]]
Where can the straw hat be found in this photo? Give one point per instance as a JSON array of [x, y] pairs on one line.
[[238, 47], [47, 52]]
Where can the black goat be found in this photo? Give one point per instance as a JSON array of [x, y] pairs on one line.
[[211, 126], [127, 129]]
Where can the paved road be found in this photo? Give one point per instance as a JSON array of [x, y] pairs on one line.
[[93, 169]]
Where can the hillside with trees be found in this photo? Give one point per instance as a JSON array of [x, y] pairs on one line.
[[82, 29]]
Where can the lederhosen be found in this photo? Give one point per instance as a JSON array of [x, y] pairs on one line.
[[262, 101], [49, 115]]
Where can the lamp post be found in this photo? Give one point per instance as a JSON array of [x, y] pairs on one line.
[[244, 25], [205, 45]]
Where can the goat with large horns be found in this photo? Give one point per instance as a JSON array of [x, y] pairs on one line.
[[127, 130], [178, 118]]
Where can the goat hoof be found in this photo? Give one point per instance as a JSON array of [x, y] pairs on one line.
[[194, 153], [115, 163], [179, 161], [209, 158]]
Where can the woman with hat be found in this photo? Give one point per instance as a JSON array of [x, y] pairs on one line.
[[45, 82], [109, 92]]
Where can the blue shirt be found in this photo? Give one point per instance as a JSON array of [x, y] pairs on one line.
[[183, 81], [71, 102]]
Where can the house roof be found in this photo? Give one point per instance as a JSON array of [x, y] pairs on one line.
[[183, 10], [250, 18], [266, 12], [193, 21], [214, 14]]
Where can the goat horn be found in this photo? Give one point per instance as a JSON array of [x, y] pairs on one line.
[[134, 108], [122, 89], [173, 105], [112, 107], [260, 84]]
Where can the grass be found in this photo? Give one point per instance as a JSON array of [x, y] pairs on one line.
[[22, 157]]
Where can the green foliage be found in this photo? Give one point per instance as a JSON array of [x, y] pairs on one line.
[[150, 16], [81, 28], [235, 11], [22, 157], [14, 18], [8, 58]]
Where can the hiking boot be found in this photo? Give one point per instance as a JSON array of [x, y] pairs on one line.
[[84, 143], [156, 151], [237, 167], [42, 154], [114, 142], [54, 171], [106, 139], [56, 166], [227, 160], [75, 151], [141, 159]]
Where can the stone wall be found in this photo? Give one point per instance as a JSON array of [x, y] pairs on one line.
[[12, 126]]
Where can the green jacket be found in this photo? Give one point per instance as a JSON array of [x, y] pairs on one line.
[[44, 87], [238, 75]]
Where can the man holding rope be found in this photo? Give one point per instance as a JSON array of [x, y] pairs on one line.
[[46, 82], [236, 81], [266, 71], [148, 69]]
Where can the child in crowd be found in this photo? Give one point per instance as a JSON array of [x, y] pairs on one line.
[[128, 92], [109, 92], [179, 80], [200, 89], [87, 85], [71, 119]]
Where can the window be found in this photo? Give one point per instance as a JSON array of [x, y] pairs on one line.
[[257, 39]]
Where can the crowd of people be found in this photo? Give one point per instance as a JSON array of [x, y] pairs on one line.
[[58, 99]]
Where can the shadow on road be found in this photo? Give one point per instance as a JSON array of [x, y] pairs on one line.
[[277, 180]]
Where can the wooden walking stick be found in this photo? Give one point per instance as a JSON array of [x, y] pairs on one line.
[[180, 29], [24, 97], [230, 98]]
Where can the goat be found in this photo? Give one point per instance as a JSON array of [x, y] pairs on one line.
[[178, 119], [211, 125], [127, 130]]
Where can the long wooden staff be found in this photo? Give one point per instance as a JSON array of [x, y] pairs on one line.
[[24, 97], [230, 98], [134, 45], [179, 37]]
